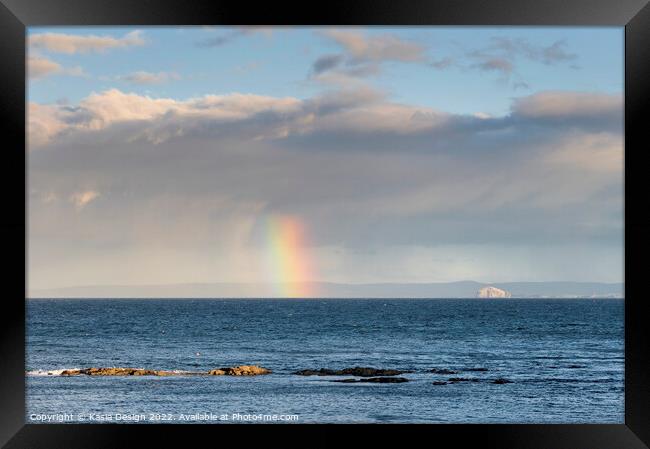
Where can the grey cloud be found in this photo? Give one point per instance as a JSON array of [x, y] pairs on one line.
[[231, 36], [551, 54], [326, 62], [442, 63], [496, 64], [364, 54], [362, 173], [328, 123], [223, 39], [501, 55]]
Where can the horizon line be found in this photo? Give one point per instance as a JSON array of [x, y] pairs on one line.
[[319, 282]]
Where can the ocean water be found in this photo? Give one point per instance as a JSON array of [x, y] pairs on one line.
[[564, 358]]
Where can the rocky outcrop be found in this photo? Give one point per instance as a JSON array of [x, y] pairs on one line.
[[115, 372], [356, 371], [377, 380], [243, 370], [493, 292]]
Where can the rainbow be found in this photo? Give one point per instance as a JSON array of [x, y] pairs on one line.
[[289, 264]]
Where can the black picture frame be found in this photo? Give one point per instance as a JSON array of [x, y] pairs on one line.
[[16, 15]]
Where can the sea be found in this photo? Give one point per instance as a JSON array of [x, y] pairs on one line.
[[563, 358]]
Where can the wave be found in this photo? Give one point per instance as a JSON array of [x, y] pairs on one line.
[[42, 372]]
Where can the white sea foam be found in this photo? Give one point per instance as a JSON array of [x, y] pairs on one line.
[[52, 372]]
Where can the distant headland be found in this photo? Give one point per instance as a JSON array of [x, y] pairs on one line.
[[461, 289]]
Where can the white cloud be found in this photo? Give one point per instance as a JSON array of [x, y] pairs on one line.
[[72, 43], [99, 111], [386, 47], [82, 199], [44, 122], [559, 104], [38, 67]]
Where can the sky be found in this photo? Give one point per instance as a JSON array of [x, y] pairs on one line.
[[164, 155]]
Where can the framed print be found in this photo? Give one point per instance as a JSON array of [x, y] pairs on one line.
[[360, 214]]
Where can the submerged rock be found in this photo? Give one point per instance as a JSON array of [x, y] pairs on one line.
[[314, 372], [356, 371], [378, 380], [370, 372], [462, 379], [443, 371], [242, 370], [501, 381]]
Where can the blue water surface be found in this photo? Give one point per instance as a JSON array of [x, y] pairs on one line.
[[564, 357]]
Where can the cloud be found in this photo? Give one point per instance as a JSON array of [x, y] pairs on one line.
[[551, 54], [82, 199], [232, 36], [386, 47], [442, 63], [500, 65], [501, 55], [44, 122], [363, 55], [72, 43], [41, 67], [192, 182], [520, 85], [563, 105], [147, 78], [326, 62], [156, 119], [350, 114]]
